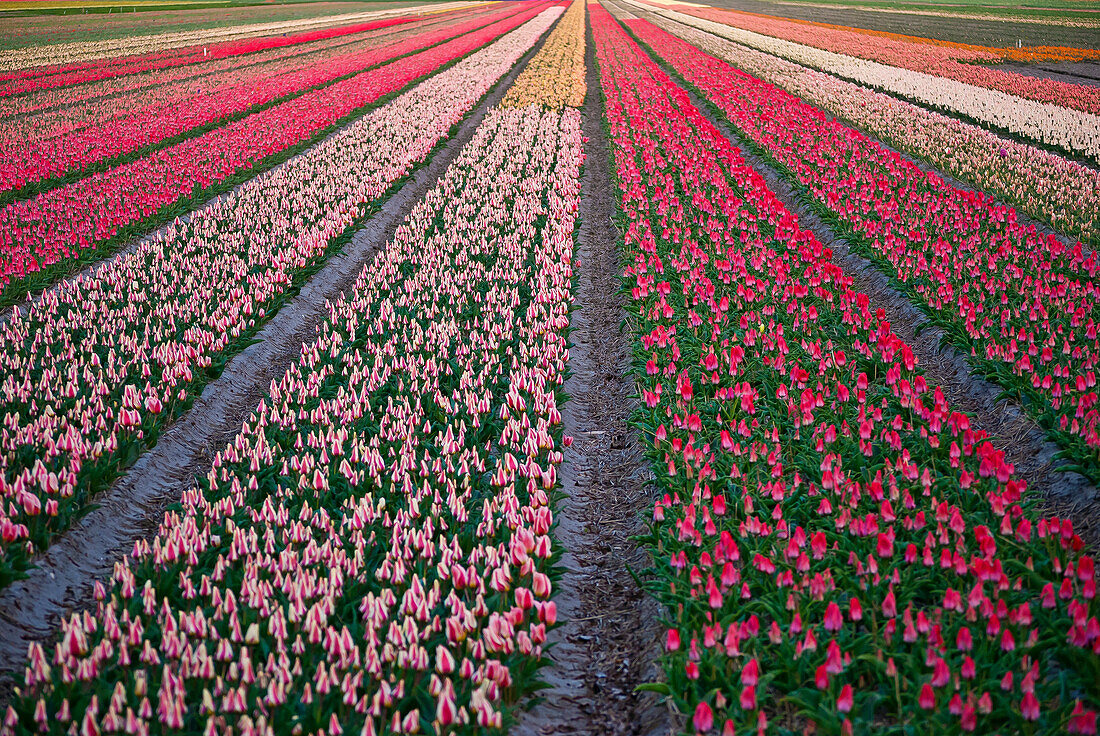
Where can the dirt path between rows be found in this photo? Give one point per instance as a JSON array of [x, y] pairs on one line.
[[1024, 442], [31, 609], [608, 644]]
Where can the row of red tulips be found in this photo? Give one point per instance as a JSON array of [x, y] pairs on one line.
[[971, 65], [372, 553], [78, 219], [91, 373], [69, 101], [49, 77], [837, 551], [169, 111], [1023, 305], [54, 112]]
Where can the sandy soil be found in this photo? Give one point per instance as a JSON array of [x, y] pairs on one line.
[[607, 647]]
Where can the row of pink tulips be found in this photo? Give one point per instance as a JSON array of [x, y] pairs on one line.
[[372, 553], [172, 110], [92, 372], [1023, 305], [1060, 192], [968, 64], [61, 224], [837, 551]]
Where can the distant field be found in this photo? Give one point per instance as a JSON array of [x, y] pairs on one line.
[[33, 6], [961, 6], [1053, 24], [23, 29]]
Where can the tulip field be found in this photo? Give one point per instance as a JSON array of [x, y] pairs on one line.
[[416, 199]]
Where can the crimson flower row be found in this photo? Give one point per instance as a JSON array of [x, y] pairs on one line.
[[1023, 305], [372, 553], [58, 108], [92, 372], [837, 551], [122, 74], [63, 223], [170, 111]]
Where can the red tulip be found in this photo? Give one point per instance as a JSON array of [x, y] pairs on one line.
[[703, 718]]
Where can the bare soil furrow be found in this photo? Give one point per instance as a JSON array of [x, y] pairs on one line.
[[63, 580], [610, 639]]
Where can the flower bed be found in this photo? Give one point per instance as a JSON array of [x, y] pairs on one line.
[[837, 551], [968, 64], [175, 110], [20, 96], [62, 223], [1025, 307], [555, 77], [60, 102], [1062, 193], [51, 59], [372, 553], [1069, 130], [92, 373]]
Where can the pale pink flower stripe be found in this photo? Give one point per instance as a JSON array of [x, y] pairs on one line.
[[396, 482], [103, 359]]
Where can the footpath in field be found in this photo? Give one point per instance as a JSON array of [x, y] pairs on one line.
[[372, 552], [62, 578], [837, 548], [608, 639]]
